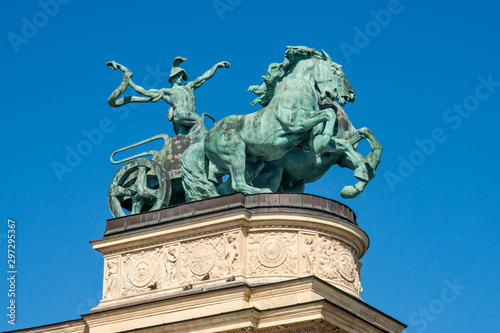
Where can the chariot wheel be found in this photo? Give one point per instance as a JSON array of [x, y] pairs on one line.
[[139, 186]]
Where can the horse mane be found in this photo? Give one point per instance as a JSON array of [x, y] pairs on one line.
[[276, 72]]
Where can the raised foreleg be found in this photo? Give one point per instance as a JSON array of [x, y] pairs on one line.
[[320, 122], [349, 191], [358, 161], [372, 160]]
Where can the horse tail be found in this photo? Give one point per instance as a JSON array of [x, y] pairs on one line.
[[195, 168]]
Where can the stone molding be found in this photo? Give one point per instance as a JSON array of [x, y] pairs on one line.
[[299, 305]]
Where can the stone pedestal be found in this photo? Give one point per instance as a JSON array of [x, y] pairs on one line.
[[268, 262], [255, 239]]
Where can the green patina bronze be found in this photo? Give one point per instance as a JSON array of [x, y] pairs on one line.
[[300, 133]]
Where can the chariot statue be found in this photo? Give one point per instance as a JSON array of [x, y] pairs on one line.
[[300, 132]]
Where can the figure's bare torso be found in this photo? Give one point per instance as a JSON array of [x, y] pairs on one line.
[[182, 100]]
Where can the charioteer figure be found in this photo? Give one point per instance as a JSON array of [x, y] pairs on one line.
[[180, 97]]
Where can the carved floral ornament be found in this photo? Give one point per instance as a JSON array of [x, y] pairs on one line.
[[202, 259], [272, 252]]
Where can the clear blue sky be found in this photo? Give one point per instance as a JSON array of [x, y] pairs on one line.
[[427, 79]]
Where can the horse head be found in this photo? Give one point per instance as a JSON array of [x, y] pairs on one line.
[[328, 76], [331, 81]]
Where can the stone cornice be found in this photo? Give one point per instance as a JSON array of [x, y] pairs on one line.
[[275, 202]]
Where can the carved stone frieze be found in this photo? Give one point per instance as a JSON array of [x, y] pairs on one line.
[[267, 253], [337, 262], [111, 277], [308, 251], [171, 264], [272, 253], [201, 257], [141, 269], [232, 252]]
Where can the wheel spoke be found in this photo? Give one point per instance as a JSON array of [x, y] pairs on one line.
[[120, 191], [142, 177], [150, 195], [136, 205]]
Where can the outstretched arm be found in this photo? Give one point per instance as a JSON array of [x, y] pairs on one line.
[[196, 83], [152, 95]]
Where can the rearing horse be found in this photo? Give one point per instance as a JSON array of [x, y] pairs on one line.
[[239, 145], [298, 167]]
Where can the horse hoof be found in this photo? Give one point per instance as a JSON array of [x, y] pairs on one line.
[[349, 192], [253, 190]]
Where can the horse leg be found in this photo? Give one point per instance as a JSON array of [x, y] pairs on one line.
[[373, 158], [239, 183], [270, 176], [252, 170], [321, 141], [360, 171], [308, 120], [232, 157], [321, 122], [298, 187], [349, 191]]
